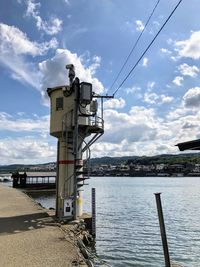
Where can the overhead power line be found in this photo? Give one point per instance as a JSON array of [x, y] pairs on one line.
[[135, 44], [147, 47]]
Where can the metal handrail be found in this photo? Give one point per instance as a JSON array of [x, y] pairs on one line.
[[96, 121]]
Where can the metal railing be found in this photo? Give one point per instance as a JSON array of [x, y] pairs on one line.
[[96, 121]]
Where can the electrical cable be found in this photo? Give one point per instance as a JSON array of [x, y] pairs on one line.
[[147, 48], [135, 44]]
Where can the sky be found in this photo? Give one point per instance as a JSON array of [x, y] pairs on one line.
[[156, 108]]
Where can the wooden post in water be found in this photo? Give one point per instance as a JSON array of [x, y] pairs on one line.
[[162, 230]]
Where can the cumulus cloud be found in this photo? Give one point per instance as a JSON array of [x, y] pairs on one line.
[[150, 98], [26, 150], [142, 132], [138, 132], [145, 61], [153, 98], [191, 98], [53, 70], [178, 80], [14, 47], [135, 90], [67, 2], [165, 51], [115, 103], [10, 123], [166, 99], [150, 86], [31, 145], [187, 70], [14, 41], [190, 47], [139, 124], [139, 25], [53, 26]]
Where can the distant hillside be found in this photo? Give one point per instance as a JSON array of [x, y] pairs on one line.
[[112, 160], [23, 167], [193, 158], [12, 167]]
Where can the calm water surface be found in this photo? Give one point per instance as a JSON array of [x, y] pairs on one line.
[[127, 224]]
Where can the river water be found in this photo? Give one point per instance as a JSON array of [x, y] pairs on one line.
[[127, 224]]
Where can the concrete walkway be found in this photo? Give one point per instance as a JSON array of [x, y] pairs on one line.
[[29, 236]]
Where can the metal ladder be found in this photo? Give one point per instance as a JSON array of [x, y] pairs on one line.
[[81, 171]]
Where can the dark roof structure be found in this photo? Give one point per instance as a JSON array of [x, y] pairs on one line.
[[190, 145]]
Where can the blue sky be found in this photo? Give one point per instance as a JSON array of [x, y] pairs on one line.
[[157, 107]]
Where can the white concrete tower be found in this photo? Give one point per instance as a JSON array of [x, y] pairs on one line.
[[73, 118]]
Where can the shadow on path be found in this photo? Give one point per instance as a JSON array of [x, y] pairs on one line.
[[17, 224]]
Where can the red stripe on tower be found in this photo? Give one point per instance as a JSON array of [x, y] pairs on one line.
[[66, 161]]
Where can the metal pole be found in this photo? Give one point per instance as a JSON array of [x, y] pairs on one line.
[[102, 108], [57, 177], [93, 212], [162, 230], [76, 106]]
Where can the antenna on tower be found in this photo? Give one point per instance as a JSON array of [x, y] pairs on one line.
[[71, 73]]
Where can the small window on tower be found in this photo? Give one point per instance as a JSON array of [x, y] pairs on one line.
[[59, 103]]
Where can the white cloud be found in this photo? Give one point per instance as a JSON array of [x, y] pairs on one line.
[[145, 61], [165, 51], [139, 25], [34, 148], [14, 41], [177, 113], [142, 132], [189, 48], [139, 132], [150, 86], [52, 27], [174, 58], [178, 80], [139, 124], [26, 150], [191, 98], [166, 99], [67, 2], [10, 123], [133, 90], [14, 47], [115, 103], [53, 70], [187, 70], [153, 98]]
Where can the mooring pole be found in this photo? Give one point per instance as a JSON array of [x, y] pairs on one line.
[[162, 230], [93, 212]]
